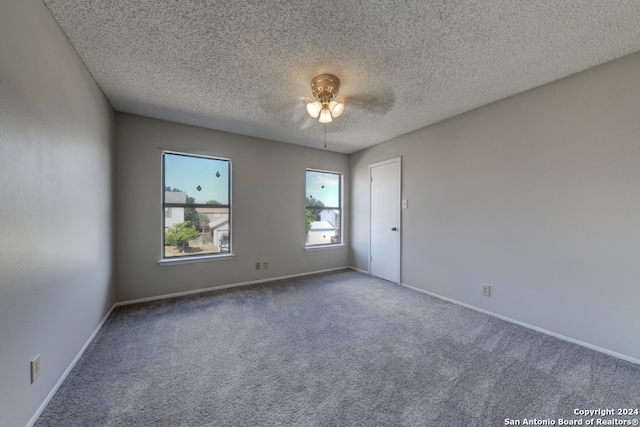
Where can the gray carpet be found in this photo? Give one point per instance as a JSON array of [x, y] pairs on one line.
[[335, 349]]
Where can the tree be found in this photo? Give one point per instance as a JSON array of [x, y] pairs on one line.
[[180, 234], [316, 207], [310, 219], [191, 215], [203, 221]]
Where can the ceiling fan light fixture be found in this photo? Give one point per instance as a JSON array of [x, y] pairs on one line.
[[314, 108], [336, 108], [325, 116]]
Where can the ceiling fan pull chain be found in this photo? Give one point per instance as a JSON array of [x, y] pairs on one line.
[[325, 135]]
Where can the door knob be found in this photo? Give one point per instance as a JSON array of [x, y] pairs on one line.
[[394, 229]]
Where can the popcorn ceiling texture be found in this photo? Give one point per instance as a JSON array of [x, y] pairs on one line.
[[246, 66]]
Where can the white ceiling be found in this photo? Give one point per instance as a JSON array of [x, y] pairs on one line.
[[246, 66]]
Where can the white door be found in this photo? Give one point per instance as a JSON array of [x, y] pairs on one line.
[[384, 260]]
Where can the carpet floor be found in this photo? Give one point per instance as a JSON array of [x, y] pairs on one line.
[[333, 349]]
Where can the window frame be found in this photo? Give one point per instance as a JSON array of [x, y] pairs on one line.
[[340, 208], [193, 257]]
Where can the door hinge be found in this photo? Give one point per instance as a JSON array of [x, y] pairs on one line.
[[371, 258]]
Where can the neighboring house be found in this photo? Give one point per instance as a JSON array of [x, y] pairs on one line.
[[218, 226], [332, 216], [327, 230], [173, 215]]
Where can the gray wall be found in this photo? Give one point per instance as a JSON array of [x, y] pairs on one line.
[[268, 208], [56, 162], [537, 195]]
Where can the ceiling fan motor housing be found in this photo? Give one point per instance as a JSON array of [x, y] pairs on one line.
[[325, 87]]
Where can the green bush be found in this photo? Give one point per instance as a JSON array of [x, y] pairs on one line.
[[180, 234]]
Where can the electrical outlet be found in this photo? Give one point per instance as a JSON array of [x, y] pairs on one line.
[[265, 265], [257, 266], [485, 290], [35, 368]]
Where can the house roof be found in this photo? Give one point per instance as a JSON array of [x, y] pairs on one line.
[[246, 66], [217, 222], [322, 226], [212, 210]]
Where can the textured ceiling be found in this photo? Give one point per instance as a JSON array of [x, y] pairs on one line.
[[246, 66]]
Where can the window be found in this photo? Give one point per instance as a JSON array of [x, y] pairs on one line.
[[197, 205], [323, 208]]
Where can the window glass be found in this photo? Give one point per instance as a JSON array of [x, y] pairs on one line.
[[323, 200], [196, 204]]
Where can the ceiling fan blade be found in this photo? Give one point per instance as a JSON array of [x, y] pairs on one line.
[[289, 103], [377, 103], [307, 122]]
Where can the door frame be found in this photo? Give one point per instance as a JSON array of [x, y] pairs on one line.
[[397, 160]]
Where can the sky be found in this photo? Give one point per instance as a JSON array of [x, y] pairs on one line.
[[324, 186], [187, 173]]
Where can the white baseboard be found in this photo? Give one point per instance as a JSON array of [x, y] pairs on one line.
[[359, 270], [528, 326], [65, 374], [217, 288]]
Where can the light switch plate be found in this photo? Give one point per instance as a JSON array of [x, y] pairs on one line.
[[35, 368]]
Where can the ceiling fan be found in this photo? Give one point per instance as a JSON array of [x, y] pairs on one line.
[[326, 106]]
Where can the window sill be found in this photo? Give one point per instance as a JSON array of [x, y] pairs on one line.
[[192, 259], [324, 247]]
